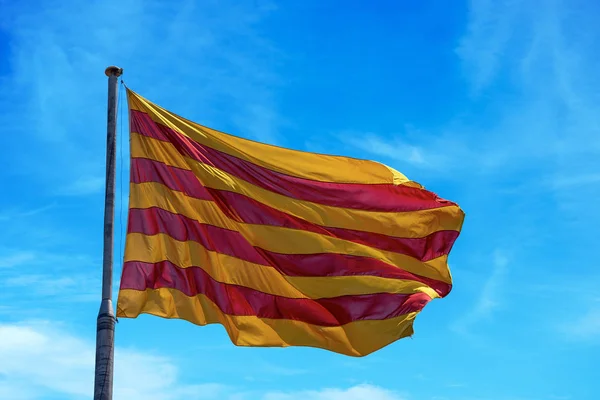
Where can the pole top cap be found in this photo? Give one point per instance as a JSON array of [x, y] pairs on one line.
[[113, 71]]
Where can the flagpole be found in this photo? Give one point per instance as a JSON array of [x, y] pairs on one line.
[[105, 331]]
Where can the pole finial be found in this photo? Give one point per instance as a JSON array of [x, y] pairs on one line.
[[113, 71]]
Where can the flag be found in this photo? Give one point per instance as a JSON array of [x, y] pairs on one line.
[[281, 247]]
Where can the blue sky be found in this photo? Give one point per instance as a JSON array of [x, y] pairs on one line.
[[492, 104]]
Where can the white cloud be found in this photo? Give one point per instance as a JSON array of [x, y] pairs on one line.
[[43, 358], [48, 359], [359, 392]]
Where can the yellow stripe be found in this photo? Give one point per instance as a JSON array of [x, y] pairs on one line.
[[313, 166], [357, 338], [274, 238], [231, 270], [400, 224]]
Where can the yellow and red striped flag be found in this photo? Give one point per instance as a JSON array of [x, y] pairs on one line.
[[281, 247]]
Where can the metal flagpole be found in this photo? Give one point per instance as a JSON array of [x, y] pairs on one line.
[[105, 331]]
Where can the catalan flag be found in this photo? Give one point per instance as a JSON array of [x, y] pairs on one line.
[[281, 247]]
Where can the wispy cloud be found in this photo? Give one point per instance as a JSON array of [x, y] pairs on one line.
[[73, 287], [19, 214], [567, 182], [546, 59], [426, 152], [53, 277], [84, 186], [574, 296], [585, 327], [57, 65], [489, 299], [11, 259], [34, 258], [534, 93], [395, 149], [484, 46]]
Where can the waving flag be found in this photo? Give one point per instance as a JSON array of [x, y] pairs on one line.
[[281, 247]]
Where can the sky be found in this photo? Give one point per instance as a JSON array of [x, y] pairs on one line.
[[491, 104]]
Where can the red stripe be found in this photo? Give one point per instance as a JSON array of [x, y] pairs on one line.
[[241, 300], [332, 264], [152, 221], [244, 209], [374, 197], [181, 180]]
